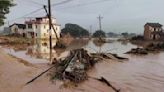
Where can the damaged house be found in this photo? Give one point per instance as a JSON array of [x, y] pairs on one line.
[[153, 31]]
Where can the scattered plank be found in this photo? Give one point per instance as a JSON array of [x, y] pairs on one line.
[[39, 75]]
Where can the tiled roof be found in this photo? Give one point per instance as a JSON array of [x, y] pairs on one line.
[[154, 24], [22, 26]]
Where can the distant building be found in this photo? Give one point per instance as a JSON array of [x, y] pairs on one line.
[[153, 31], [39, 28], [18, 29]]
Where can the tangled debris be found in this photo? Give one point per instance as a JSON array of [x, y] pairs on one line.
[[74, 67], [139, 51], [152, 47]]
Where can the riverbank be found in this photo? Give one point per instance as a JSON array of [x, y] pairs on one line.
[[17, 43], [13, 73]]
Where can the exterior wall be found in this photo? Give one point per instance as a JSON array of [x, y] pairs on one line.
[[41, 30], [151, 33], [15, 29], [147, 32]]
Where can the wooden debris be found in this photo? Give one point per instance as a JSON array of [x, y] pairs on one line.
[[74, 66], [140, 51], [102, 79], [109, 56], [39, 75]]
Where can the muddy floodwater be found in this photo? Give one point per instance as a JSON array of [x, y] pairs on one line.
[[138, 74]]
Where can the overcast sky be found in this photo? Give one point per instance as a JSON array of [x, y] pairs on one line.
[[118, 15]]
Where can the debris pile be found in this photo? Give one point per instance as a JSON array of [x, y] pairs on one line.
[[74, 66], [139, 51], [152, 47], [155, 46]]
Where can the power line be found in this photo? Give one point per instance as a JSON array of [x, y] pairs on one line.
[[85, 4], [30, 13], [33, 2], [63, 2]]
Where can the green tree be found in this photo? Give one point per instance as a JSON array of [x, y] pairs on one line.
[[75, 30], [4, 9], [125, 34], [99, 33]]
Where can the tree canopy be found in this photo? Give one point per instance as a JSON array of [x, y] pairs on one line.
[[75, 30], [4, 9], [99, 33]]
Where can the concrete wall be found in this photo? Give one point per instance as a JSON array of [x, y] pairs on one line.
[[41, 30], [148, 33]]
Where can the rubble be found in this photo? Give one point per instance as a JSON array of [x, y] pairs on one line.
[[152, 47], [74, 66], [140, 51]]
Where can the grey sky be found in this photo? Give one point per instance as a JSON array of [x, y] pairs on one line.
[[119, 15]]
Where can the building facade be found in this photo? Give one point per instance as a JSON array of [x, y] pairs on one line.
[[39, 28], [153, 31], [18, 29]]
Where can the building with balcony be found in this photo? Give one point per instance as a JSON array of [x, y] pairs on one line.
[[39, 28]]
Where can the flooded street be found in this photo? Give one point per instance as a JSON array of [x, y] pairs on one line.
[[138, 74]]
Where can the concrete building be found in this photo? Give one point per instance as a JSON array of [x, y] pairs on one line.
[[18, 29], [153, 31], [39, 28]]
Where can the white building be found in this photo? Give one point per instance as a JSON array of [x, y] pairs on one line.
[[39, 28], [18, 29]]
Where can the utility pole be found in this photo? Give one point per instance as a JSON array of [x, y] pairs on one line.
[[50, 33], [100, 18]]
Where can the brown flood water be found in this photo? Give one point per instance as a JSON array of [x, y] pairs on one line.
[[138, 74]]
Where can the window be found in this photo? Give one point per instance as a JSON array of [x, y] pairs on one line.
[[36, 34], [29, 25], [44, 34], [44, 26]]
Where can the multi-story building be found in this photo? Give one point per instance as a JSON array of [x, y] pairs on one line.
[[153, 31], [39, 28]]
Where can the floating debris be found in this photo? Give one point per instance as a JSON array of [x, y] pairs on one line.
[[140, 51]]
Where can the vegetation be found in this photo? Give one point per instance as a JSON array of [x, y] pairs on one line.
[[111, 34], [4, 9], [75, 30], [128, 35], [99, 33], [139, 37]]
